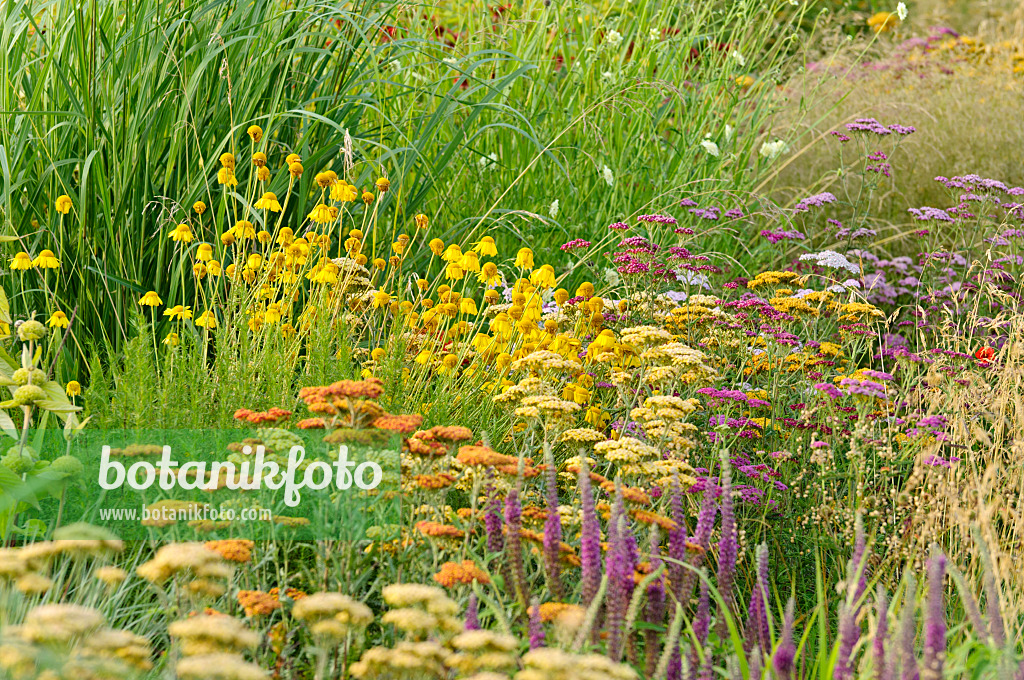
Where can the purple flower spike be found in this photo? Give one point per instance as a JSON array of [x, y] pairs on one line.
[[785, 654], [882, 670], [590, 539], [472, 618], [757, 627], [492, 522], [553, 530], [728, 543], [677, 543], [908, 631], [655, 614], [935, 618], [536, 629], [849, 634], [514, 544], [619, 565]]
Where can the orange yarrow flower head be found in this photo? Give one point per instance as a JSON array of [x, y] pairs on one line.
[[464, 573]]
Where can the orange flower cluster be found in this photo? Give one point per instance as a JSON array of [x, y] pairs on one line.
[[311, 424], [438, 530], [274, 415], [232, 549], [631, 494], [422, 447], [257, 603], [371, 388], [404, 424], [483, 456], [549, 611], [465, 572], [439, 481], [648, 517]]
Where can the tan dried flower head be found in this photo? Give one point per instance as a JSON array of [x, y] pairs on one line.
[[219, 667], [406, 660], [332, 616], [57, 623], [207, 634], [44, 552], [179, 558], [121, 645]]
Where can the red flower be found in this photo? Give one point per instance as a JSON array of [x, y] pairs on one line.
[[985, 355]]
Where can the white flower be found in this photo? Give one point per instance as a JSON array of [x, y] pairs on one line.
[[608, 77], [832, 260], [739, 58], [609, 176], [772, 150], [728, 132], [451, 61], [654, 35], [901, 11], [553, 210], [710, 147], [614, 38], [611, 277], [488, 160]]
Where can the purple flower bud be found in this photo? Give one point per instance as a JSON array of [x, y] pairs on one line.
[[655, 613], [935, 619], [492, 522], [553, 531], [620, 565], [590, 539], [882, 670], [908, 631], [785, 653], [514, 544], [728, 545], [472, 618], [536, 629], [849, 634], [677, 543]]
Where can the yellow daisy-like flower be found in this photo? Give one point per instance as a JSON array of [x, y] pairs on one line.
[[422, 221], [46, 260], [181, 234], [73, 389], [207, 320], [383, 184], [268, 201], [259, 159], [172, 339], [226, 176], [453, 272], [524, 258], [295, 169], [321, 214], [880, 22], [292, 158], [243, 230], [213, 268], [453, 253], [327, 178], [58, 318], [63, 204], [204, 253], [179, 312], [199, 207], [368, 198], [486, 247], [344, 192], [255, 133], [150, 299], [489, 274], [21, 261], [228, 160], [543, 277]]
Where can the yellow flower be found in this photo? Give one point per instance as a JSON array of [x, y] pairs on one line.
[[179, 312], [213, 268], [46, 260], [274, 313], [383, 184], [58, 319], [199, 270], [422, 221], [879, 22], [199, 207], [398, 247], [367, 197], [453, 253], [486, 247], [227, 238], [73, 389], [543, 277], [285, 237], [379, 263], [326, 178], [321, 214], [524, 258], [63, 204], [292, 158], [263, 173], [381, 299], [21, 261], [469, 262], [204, 252], [207, 320], [263, 236], [489, 274], [295, 169], [268, 201], [453, 272], [243, 230], [150, 299], [259, 159], [172, 340], [344, 192], [467, 305], [254, 261], [255, 133], [228, 160], [181, 234], [226, 176], [437, 247]]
